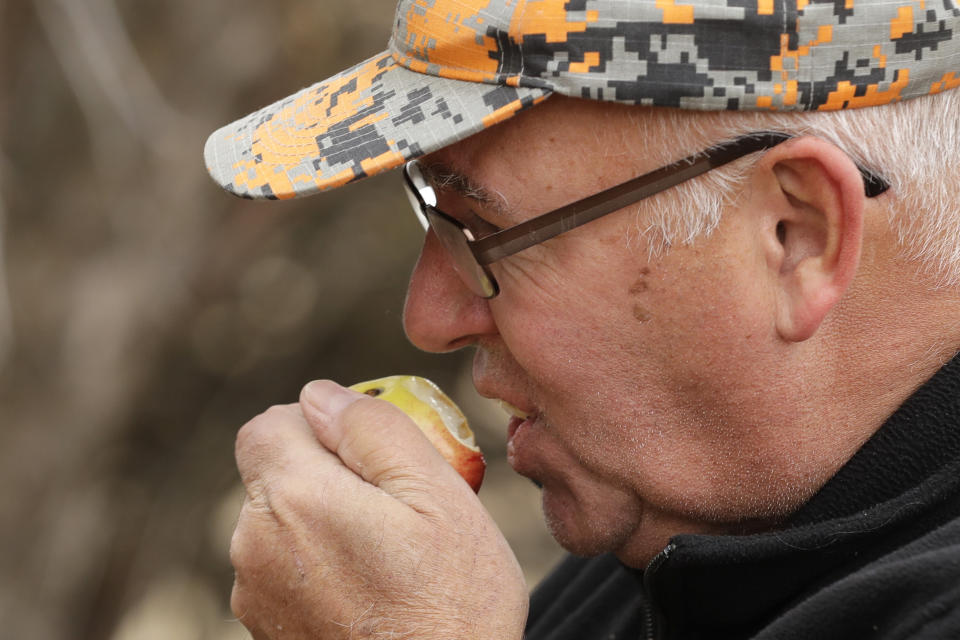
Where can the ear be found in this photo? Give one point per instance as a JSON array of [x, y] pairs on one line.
[[813, 230]]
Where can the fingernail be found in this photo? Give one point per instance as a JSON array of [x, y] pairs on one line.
[[328, 398]]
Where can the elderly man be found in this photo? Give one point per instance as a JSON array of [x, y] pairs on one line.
[[709, 252]]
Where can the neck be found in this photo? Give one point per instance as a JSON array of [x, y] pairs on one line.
[[889, 335]]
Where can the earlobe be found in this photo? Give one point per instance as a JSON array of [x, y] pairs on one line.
[[815, 222]]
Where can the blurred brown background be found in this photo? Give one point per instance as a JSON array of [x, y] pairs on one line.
[[145, 315]]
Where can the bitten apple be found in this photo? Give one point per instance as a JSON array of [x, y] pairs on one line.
[[438, 417]]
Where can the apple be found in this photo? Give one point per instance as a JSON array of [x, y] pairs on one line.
[[438, 417]]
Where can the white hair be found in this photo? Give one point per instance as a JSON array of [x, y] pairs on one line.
[[914, 145]]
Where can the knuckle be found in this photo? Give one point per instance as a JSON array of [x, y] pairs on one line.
[[259, 434], [241, 549], [290, 498], [238, 553], [239, 604], [252, 546]]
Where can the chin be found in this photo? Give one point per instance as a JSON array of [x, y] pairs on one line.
[[582, 532], [633, 533]]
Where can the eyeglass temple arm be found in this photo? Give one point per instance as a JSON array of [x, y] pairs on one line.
[[536, 230]]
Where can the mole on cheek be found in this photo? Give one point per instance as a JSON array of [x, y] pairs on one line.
[[638, 288], [640, 313], [641, 285]]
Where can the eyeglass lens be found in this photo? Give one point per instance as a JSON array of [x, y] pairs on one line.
[[453, 237]]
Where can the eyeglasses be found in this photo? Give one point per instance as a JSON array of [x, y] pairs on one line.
[[471, 255]]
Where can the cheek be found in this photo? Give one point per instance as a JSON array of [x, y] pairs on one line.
[[533, 280], [713, 344], [645, 377], [573, 269], [572, 322], [582, 357]]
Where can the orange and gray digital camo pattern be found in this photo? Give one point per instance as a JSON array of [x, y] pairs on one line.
[[455, 67], [359, 123]]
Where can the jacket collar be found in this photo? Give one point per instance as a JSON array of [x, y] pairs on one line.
[[891, 489]]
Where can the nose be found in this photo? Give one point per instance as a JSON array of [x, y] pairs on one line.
[[441, 313]]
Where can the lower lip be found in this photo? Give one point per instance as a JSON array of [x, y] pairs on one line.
[[512, 427], [516, 425]]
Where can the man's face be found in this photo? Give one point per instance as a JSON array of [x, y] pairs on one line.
[[645, 379]]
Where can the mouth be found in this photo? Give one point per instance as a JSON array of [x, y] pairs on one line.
[[520, 421], [517, 417]]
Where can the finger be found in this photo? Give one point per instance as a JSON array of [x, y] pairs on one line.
[[285, 469], [240, 606], [266, 442], [376, 440]]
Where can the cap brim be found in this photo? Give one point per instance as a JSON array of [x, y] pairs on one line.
[[366, 120]]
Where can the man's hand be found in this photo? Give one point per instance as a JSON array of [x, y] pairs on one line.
[[355, 527]]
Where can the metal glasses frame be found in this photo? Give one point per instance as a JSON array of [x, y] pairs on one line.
[[471, 255]]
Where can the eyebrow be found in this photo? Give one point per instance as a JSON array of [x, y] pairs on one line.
[[445, 177]]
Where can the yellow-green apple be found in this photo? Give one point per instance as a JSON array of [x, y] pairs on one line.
[[438, 417]]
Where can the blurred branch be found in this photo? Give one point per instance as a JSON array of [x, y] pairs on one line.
[[101, 65], [6, 314]]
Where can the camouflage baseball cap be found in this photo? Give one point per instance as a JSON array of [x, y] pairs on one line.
[[455, 67]]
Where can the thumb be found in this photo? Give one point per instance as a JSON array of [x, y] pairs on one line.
[[376, 440]]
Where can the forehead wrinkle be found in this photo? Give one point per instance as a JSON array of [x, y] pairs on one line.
[[449, 178]]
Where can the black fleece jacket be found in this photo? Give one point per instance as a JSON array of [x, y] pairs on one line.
[[874, 554]]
